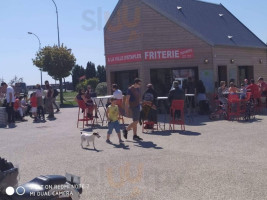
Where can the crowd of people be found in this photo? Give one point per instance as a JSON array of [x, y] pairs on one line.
[[139, 107], [257, 90], [36, 106]]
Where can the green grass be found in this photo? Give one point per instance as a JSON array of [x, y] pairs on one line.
[[69, 97]]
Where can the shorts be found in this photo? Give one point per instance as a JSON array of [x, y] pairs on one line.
[[135, 113], [113, 125], [33, 109]]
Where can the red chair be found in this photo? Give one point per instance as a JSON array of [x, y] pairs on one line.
[[84, 109], [233, 97], [234, 106], [119, 103], [177, 105]]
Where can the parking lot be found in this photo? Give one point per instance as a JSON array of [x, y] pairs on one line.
[[210, 160]]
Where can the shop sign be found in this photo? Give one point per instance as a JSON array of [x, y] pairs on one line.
[[150, 55], [168, 54], [124, 58]]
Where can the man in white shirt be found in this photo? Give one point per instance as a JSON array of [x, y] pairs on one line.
[[10, 102]]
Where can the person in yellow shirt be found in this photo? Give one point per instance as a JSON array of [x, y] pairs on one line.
[[113, 116]]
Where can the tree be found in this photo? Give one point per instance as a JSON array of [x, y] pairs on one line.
[[91, 81], [101, 89], [77, 73], [15, 80], [90, 71], [101, 73], [57, 61]]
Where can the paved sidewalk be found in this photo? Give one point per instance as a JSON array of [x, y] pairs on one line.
[[210, 160]]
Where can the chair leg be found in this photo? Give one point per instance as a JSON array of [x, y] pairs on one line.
[[78, 117]]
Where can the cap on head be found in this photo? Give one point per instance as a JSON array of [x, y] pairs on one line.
[[115, 86], [149, 85], [137, 80], [260, 79]]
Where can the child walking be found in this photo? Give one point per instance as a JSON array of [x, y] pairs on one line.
[[113, 115]]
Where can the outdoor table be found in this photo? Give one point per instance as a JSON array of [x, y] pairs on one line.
[[162, 98], [226, 94], [188, 101], [164, 121], [99, 101]]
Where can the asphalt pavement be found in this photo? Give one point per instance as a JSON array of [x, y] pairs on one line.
[[224, 160]]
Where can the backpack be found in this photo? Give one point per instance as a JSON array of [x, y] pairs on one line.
[[55, 93], [149, 97]]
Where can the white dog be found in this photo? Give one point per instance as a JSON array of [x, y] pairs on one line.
[[89, 137]]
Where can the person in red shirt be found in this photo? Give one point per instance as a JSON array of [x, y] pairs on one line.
[[263, 88], [33, 100], [18, 107], [254, 89]]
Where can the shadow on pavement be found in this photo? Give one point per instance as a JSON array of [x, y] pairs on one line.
[[194, 120], [170, 132], [121, 146], [146, 144], [11, 126], [252, 120], [96, 150]]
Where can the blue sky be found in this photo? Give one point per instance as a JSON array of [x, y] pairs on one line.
[[81, 29]]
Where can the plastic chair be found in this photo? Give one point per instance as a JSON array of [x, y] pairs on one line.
[[232, 97], [84, 109], [234, 105], [119, 103], [177, 105]]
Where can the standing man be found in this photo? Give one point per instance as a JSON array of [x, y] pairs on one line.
[[10, 102], [263, 88], [190, 89], [49, 100], [133, 102], [176, 94], [55, 94]]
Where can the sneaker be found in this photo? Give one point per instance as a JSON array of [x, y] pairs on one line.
[[57, 110], [108, 141], [121, 141], [125, 133], [137, 138]]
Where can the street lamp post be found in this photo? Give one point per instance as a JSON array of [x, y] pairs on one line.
[[58, 40], [30, 33], [57, 25]]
